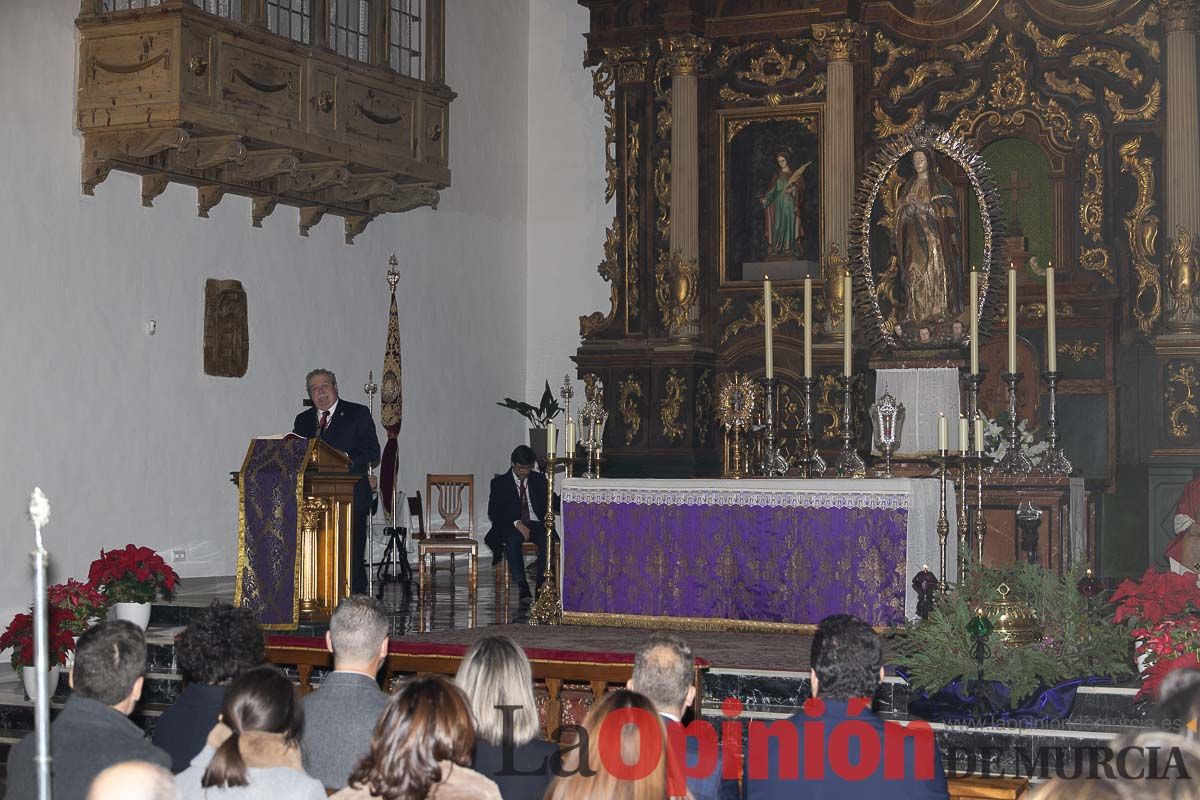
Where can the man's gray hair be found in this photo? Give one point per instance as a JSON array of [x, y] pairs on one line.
[[493, 674], [358, 626], [309, 377], [134, 780], [663, 670]]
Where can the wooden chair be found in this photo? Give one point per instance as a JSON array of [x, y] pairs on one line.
[[449, 527], [504, 577]]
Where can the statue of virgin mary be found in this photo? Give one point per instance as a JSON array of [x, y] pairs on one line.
[[927, 245]]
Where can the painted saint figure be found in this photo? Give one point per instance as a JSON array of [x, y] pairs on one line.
[[927, 245], [784, 203]]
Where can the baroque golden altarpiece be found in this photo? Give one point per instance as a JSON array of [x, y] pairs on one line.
[[1067, 100]]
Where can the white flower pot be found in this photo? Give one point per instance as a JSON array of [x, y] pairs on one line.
[[137, 613], [29, 678]]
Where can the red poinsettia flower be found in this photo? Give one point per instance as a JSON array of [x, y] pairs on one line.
[[19, 637], [133, 574], [1153, 678], [1156, 596]]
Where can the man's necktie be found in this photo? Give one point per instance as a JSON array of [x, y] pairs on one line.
[[324, 423], [524, 504]]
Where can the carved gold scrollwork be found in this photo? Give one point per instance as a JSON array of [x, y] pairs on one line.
[[773, 68], [1038, 310], [1142, 225], [1096, 257], [1108, 58], [1147, 111], [883, 45], [829, 404], [1047, 47], [633, 272], [1137, 31], [785, 309], [672, 405], [1078, 350], [597, 321], [1179, 395], [1091, 211], [886, 127], [685, 54], [662, 195], [736, 126], [949, 98], [1074, 86], [838, 41], [604, 87], [916, 77], [678, 287], [817, 87], [629, 401], [974, 52], [704, 406], [1010, 88]]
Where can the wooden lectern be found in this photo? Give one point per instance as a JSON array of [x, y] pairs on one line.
[[324, 535]]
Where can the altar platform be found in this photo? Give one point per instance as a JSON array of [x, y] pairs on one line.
[[765, 555]]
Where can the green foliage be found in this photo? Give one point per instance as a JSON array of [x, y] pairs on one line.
[[538, 415], [1075, 642]]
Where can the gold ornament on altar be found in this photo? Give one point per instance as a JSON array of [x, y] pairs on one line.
[[1016, 623], [735, 409], [833, 267], [678, 287]]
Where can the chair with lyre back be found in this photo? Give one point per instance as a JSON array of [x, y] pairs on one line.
[[449, 527]]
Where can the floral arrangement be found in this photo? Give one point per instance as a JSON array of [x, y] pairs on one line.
[[1078, 638], [1165, 609], [19, 636], [132, 575], [82, 600], [995, 440]]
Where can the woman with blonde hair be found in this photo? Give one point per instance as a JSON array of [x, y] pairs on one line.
[[421, 748], [640, 765], [496, 677]]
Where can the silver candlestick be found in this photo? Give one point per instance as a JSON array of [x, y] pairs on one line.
[[887, 418], [943, 523], [811, 463], [849, 463], [370, 389], [774, 464], [1056, 462], [974, 381], [1014, 462]]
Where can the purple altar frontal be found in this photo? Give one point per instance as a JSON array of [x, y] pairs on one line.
[[746, 554]]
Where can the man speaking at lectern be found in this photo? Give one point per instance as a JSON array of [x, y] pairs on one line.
[[347, 427]]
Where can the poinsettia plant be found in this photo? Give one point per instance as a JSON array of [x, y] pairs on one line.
[[1165, 608], [82, 601], [132, 575], [19, 636]]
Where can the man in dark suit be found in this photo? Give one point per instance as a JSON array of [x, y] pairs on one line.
[[347, 427], [516, 505], [664, 671], [859, 754]]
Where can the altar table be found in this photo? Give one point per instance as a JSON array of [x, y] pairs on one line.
[[749, 554]]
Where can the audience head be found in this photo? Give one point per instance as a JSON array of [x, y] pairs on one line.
[[1179, 703], [575, 785], [358, 634], [1150, 765], [523, 456], [493, 674], [109, 661], [260, 700], [220, 643], [134, 780], [846, 658], [427, 720], [663, 670]]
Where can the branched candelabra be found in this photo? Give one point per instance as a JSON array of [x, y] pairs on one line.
[[547, 609], [1056, 462], [849, 463], [1014, 462]]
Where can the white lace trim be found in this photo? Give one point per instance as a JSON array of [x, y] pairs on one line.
[[758, 498]]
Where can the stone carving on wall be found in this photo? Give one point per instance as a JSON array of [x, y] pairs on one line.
[[226, 329]]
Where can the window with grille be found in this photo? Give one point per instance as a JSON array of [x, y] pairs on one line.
[[229, 9], [348, 28], [405, 37], [290, 18], [128, 5]]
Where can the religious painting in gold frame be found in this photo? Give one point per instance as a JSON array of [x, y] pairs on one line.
[[769, 206], [907, 243]]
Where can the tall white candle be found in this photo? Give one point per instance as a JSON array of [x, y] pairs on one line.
[[974, 320], [808, 327], [551, 437], [847, 314], [1051, 313], [964, 435], [1012, 318], [570, 446], [769, 335], [943, 433], [978, 434]]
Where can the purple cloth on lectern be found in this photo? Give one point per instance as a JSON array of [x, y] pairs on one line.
[[734, 562], [272, 480]]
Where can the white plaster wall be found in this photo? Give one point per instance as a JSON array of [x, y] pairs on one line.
[[566, 212], [124, 432]]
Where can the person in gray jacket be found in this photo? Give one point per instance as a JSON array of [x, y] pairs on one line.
[[93, 732], [342, 713]]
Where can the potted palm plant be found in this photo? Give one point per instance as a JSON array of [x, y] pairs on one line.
[[546, 410]]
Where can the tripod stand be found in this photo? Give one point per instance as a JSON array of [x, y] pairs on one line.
[[394, 566]]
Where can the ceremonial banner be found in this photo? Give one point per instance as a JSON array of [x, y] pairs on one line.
[[270, 497], [391, 412]]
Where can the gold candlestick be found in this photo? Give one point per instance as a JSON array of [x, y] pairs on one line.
[[547, 609]]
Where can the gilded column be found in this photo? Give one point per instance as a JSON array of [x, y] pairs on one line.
[[1182, 145], [839, 43], [678, 281]]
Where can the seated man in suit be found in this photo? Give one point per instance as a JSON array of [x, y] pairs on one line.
[[663, 670], [93, 732], [896, 762], [340, 716], [347, 427], [516, 504]]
